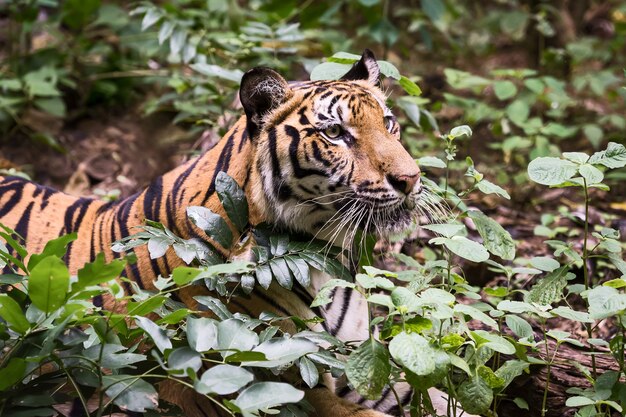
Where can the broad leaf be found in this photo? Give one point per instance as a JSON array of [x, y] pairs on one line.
[[48, 284], [213, 225], [413, 352], [201, 333], [475, 395], [157, 334], [497, 240], [11, 312], [368, 369], [223, 380], [233, 200], [264, 395], [613, 157], [551, 171], [130, 393]]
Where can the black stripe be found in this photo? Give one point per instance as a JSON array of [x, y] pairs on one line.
[[298, 171], [179, 181], [271, 139], [332, 104], [17, 188], [317, 153], [152, 200], [347, 293], [22, 225], [272, 302], [384, 396], [222, 165], [73, 219]]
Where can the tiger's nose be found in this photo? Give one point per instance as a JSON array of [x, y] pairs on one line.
[[403, 183]]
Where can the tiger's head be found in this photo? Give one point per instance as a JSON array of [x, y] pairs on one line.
[[328, 153]]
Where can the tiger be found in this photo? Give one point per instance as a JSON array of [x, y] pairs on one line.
[[321, 158]]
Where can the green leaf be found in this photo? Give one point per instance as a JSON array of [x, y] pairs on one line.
[[461, 79], [280, 352], [605, 302], [233, 334], [463, 247], [215, 305], [98, 271], [576, 157], [475, 314], [545, 263], [409, 86], [165, 31], [223, 380], [431, 161], [551, 171], [487, 187], [487, 375], [11, 312], [213, 224], [264, 395], [324, 297], [279, 244], [579, 401], [130, 392], [158, 245], [145, 307], [201, 333], [52, 105], [264, 275], [12, 372], [518, 112], [48, 284], [613, 157], [448, 230], [550, 288], [401, 297], [299, 269], [519, 326], [510, 370], [280, 270], [57, 247], [590, 173], [594, 134], [329, 71], [458, 131], [492, 341], [475, 395], [152, 16], [157, 334], [413, 352], [389, 70], [497, 240], [184, 275], [113, 356], [308, 372], [568, 313], [233, 200], [504, 90], [368, 369], [183, 358]]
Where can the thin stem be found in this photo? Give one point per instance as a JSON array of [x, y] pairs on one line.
[[548, 369], [586, 271], [586, 235]]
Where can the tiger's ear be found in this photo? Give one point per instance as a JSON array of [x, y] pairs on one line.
[[262, 90], [365, 69]]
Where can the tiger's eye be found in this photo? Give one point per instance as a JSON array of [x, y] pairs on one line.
[[389, 122], [333, 131]]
